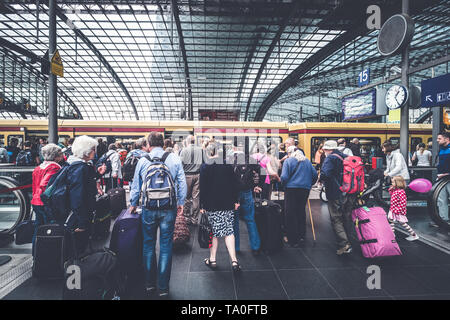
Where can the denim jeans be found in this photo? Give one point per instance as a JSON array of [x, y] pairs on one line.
[[247, 211], [151, 220]]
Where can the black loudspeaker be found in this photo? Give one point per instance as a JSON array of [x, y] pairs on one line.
[[395, 34]]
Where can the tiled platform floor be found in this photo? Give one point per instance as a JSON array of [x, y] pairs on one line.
[[310, 272]]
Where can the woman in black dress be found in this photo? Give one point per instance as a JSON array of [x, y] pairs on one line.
[[218, 200]]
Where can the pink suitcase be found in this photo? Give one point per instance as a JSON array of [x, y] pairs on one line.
[[374, 233]]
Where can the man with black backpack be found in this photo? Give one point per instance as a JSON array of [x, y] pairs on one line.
[[248, 176], [160, 182], [27, 157], [133, 157]]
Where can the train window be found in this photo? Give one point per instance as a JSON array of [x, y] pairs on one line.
[[369, 147], [2, 140], [414, 143], [19, 138], [394, 140], [267, 142]]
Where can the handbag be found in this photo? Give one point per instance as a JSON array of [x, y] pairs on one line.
[[204, 232], [25, 231]]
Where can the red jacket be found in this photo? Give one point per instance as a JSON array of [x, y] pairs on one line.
[[41, 176], [398, 201]]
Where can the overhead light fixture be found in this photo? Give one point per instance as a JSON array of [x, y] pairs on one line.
[[168, 78], [201, 78], [395, 69]]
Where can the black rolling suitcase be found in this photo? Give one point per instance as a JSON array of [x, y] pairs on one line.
[[277, 196], [49, 252], [117, 200], [99, 276], [268, 221], [102, 217]]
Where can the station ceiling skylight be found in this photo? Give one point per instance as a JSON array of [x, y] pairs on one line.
[[159, 58]]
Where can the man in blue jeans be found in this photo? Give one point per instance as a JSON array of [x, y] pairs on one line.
[[152, 219], [248, 175]]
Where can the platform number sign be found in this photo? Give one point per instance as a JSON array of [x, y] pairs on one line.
[[364, 77]]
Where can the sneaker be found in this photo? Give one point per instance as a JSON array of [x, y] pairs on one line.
[[434, 225], [412, 238], [346, 249], [164, 294], [150, 292]]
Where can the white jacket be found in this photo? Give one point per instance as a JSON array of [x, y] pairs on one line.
[[396, 165], [115, 164], [346, 151]]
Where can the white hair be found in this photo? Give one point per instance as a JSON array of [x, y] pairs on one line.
[[294, 152], [50, 152], [291, 149], [83, 146]]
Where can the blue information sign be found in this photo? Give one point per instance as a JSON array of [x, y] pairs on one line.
[[364, 77], [436, 91]]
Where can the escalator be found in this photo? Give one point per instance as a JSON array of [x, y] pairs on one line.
[[15, 198], [438, 203]]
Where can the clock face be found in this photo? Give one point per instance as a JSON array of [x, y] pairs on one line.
[[396, 97]]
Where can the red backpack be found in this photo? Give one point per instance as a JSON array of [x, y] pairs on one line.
[[353, 176]]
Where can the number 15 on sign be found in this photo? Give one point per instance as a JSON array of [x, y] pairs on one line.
[[364, 77]]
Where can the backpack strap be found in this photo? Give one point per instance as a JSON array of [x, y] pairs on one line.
[[164, 157], [337, 156]]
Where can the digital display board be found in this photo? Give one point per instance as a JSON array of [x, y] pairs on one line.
[[218, 115], [359, 106]]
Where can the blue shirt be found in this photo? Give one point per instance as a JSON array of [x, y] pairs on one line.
[[303, 178], [173, 162], [444, 160], [137, 153]]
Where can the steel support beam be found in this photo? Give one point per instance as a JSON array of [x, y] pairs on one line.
[[97, 53], [14, 47], [248, 62], [306, 66], [411, 71], [52, 84], [424, 116], [437, 126], [275, 40], [176, 15]]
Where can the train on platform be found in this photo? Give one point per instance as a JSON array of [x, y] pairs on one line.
[[308, 134]]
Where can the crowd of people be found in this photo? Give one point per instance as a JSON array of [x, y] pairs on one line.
[[218, 182]]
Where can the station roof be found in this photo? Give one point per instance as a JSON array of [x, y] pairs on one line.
[[165, 59]]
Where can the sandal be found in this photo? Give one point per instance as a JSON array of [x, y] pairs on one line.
[[235, 265], [210, 263]]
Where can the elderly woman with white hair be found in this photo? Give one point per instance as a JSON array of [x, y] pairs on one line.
[[298, 175], [52, 155], [82, 187]]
